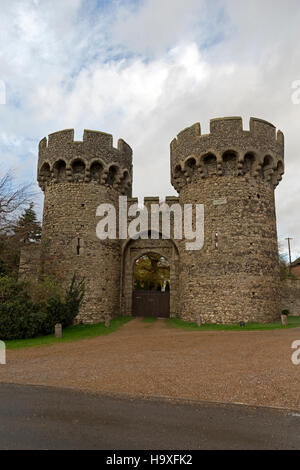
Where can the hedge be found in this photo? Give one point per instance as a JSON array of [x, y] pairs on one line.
[[21, 317]]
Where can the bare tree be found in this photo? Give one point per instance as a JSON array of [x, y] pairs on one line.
[[12, 200]]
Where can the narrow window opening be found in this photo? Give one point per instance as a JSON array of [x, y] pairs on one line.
[[78, 246], [217, 240]]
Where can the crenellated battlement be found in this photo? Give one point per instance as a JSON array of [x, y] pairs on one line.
[[220, 127], [157, 211], [228, 149], [147, 201], [60, 139], [62, 159]]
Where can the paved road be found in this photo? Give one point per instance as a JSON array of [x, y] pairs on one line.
[[50, 418]]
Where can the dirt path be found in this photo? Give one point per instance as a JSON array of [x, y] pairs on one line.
[[154, 360]]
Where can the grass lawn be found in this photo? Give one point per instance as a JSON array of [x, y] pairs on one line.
[[71, 333], [293, 322]]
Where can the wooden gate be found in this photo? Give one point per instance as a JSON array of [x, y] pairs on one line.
[[148, 303]]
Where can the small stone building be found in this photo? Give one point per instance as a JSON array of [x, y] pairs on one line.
[[231, 171]]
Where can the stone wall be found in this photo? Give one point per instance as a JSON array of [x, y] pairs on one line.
[[70, 245], [29, 267], [233, 173], [290, 296], [76, 178]]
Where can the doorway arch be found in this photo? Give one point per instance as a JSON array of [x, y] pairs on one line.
[[151, 286], [132, 250]]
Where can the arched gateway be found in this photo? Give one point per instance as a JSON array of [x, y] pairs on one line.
[[132, 250]]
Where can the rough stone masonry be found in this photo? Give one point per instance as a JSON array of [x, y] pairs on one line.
[[232, 171]]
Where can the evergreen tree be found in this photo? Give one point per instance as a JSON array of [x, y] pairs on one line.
[[28, 227]]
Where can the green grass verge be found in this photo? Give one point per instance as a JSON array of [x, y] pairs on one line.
[[149, 319], [71, 333], [293, 322]]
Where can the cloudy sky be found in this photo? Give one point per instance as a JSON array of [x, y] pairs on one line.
[[145, 69]]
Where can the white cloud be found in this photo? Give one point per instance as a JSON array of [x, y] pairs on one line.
[[144, 71], [156, 25]]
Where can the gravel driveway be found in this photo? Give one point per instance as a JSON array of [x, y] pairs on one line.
[[149, 360]]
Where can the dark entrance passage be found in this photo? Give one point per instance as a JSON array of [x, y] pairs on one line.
[[151, 294], [151, 303]]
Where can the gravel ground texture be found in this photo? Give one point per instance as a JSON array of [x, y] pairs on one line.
[[154, 360]]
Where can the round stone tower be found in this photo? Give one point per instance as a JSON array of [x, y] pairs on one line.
[[76, 178], [233, 172]]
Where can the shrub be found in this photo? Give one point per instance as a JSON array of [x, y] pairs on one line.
[[285, 312], [53, 313], [64, 311], [73, 300], [3, 269], [19, 320], [10, 289], [24, 316], [43, 290]]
